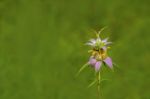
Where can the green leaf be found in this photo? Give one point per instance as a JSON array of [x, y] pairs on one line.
[[101, 30], [105, 80], [114, 64], [90, 85], [82, 68]]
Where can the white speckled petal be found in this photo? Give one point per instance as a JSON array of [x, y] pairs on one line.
[[105, 40], [91, 44], [93, 41], [108, 43]]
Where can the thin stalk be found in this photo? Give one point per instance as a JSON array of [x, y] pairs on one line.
[[98, 86]]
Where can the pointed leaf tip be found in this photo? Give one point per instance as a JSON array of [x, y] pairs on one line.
[[82, 68], [90, 85], [102, 30]]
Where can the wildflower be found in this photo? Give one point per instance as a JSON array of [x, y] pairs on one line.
[[99, 53], [99, 57]]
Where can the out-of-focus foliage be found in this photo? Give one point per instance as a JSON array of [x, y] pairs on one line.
[[42, 48]]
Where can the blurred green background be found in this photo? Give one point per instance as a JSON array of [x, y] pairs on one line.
[[42, 48]]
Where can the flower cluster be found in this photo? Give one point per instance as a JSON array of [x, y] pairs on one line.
[[99, 53]]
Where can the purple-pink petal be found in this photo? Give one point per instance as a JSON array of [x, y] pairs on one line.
[[98, 65], [92, 61], [108, 61]]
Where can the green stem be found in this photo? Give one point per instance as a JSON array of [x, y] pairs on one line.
[[98, 87]]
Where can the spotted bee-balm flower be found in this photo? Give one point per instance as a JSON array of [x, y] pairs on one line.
[[98, 57], [99, 53]]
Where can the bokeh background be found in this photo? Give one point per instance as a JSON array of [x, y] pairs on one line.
[[42, 48]]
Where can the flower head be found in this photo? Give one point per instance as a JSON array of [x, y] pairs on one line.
[[99, 53]]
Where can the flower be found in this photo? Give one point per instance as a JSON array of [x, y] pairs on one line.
[[100, 57], [99, 53]]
